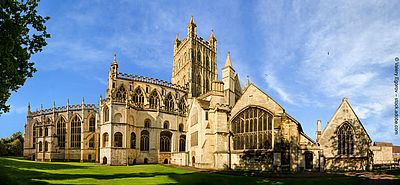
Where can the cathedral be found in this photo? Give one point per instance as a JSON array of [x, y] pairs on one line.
[[198, 119]]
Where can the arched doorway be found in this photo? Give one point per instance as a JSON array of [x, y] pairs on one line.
[[104, 160], [33, 157], [165, 161], [146, 161], [89, 157], [309, 160], [193, 160]]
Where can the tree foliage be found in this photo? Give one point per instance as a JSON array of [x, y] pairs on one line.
[[22, 34], [12, 146]]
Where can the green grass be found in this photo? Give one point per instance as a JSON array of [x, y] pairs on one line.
[[19, 171]]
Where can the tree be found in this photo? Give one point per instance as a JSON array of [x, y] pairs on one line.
[[22, 34]]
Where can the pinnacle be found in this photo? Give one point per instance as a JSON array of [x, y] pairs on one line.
[[228, 62]]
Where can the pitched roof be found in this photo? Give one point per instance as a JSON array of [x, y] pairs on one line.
[[395, 149], [345, 101], [382, 144]]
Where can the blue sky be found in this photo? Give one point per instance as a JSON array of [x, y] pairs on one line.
[[282, 46]]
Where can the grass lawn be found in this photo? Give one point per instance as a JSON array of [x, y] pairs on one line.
[[19, 171]]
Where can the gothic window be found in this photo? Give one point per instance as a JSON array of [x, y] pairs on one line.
[[118, 139], [182, 106], [76, 132], [34, 135], [40, 146], [345, 139], [182, 143], [138, 98], [198, 84], [169, 103], [92, 124], [106, 114], [199, 57], [105, 139], [180, 127], [207, 63], [165, 141], [46, 131], [121, 94], [61, 131], [252, 129], [46, 146], [144, 140], [147, 123], [91, 142], [40, 131], [207, 85], [154, 100], [166, 125], [133, 140]]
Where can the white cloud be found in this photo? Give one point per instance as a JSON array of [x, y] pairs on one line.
[[361, 39]]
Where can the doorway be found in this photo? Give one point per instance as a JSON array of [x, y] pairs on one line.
[[104, 160], [309, 160]]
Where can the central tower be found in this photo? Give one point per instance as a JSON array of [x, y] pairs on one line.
[[195, 63]]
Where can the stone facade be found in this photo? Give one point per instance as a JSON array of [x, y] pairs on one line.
[[196, 120]]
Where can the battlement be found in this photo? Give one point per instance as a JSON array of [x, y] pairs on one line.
[[64, 108], [151, 80]]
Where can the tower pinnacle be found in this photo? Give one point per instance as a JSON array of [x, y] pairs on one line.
[[228, 62]]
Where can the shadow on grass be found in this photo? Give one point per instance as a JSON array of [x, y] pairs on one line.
[[17, 171]]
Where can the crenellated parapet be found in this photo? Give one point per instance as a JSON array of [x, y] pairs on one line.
[[58, 109], [152, 80]]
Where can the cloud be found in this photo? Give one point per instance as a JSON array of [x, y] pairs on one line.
[[275, 85], [333, 50]]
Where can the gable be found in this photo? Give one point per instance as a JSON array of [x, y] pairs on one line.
[[344, 113], [329, 137], [253, 96]]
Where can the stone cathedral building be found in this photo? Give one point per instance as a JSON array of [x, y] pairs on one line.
[[198, 119]]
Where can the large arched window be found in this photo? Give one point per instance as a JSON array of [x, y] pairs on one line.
[[118, 139], [169, 103], [165, 141], [61, 130], [154, 100], [182, 143], [121, 94], [106, 114], [252, 129], [76, 132], [144, 140], [345, 139], [182, 106], [105, 139], [92, 124], [138, 98], [133, 140]]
